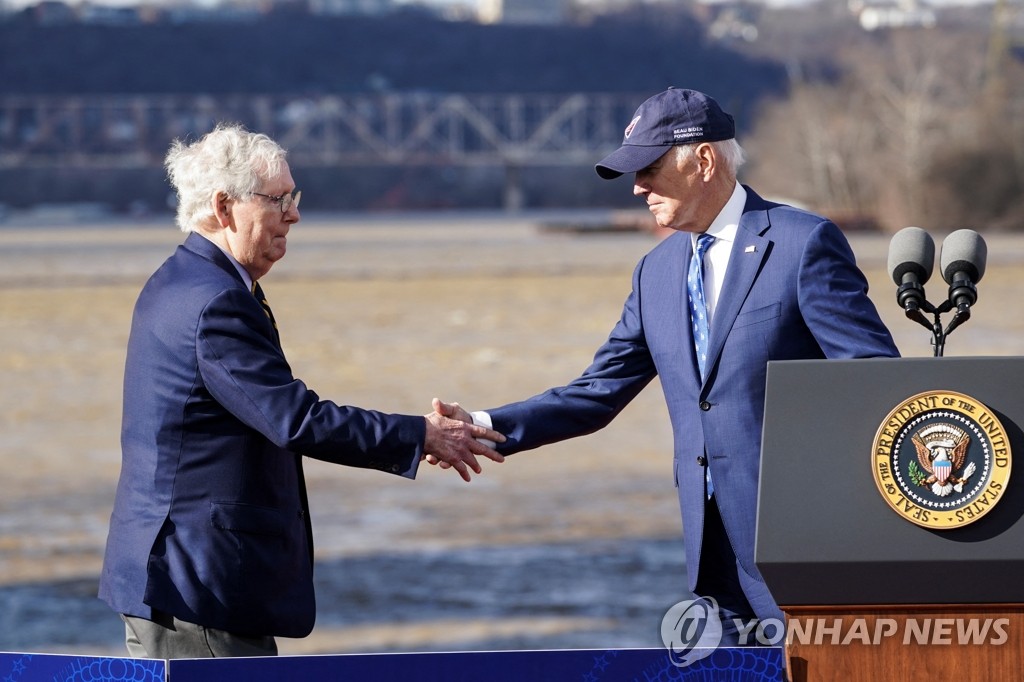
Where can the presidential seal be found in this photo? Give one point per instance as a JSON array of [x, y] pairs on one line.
[[941, 459]]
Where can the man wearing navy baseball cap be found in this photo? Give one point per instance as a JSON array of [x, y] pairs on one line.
[[671, 118], [741, 282]]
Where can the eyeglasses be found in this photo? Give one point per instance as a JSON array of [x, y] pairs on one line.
[[285, 201]]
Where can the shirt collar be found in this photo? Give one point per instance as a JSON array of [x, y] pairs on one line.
[[238, 266]]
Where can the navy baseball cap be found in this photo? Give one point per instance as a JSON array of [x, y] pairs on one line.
[[670, 118]]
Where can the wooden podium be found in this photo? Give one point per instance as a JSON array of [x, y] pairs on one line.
[[924, 643], [881, 574]]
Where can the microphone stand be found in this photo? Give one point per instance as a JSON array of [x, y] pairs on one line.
[[910, 296]]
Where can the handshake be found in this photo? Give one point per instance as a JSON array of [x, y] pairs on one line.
[[454, 441]]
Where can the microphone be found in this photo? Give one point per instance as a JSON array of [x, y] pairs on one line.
[[963, 264], [911, 259]]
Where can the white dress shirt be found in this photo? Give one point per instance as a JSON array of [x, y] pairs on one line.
[[716, 260]]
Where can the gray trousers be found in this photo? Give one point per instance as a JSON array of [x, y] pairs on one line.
[[168, 637]]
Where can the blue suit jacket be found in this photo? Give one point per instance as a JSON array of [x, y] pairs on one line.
[[210, 522], [792, 291]]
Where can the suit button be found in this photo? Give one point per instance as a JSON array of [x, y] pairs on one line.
[[702, 460], [705, 405]]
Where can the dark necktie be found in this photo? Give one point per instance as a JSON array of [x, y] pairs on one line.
[[257, 291]]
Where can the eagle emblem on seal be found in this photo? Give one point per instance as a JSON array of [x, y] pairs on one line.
[[942, 453]]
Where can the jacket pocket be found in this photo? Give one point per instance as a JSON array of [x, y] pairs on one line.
[[249, 518], [750, 317]]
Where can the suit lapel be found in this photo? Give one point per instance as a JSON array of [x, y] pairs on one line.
[[748, 254]]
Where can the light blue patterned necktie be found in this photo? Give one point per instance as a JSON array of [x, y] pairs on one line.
[[699, 320], [698, 306]]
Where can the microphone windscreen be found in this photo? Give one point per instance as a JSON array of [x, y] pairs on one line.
[[911, 250], [963, 251]]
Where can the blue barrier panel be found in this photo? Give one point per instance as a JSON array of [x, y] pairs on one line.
[[626, 665], [762, 664], [60, 668]]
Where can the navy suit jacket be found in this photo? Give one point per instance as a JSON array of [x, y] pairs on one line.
[[792, 290], [210, 522]]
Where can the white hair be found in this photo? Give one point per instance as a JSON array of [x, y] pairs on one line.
[[229, 159], [729, 153]]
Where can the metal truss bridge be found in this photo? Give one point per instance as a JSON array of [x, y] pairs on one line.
[[401, 129]]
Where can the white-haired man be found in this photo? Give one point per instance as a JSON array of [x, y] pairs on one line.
[[210, 548]]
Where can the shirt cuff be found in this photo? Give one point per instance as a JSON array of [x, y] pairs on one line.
[[482, 418]]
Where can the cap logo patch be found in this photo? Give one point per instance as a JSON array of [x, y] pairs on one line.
[[632, 124], [687, 133]]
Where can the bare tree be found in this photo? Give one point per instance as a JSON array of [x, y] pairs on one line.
[[867, 143]]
